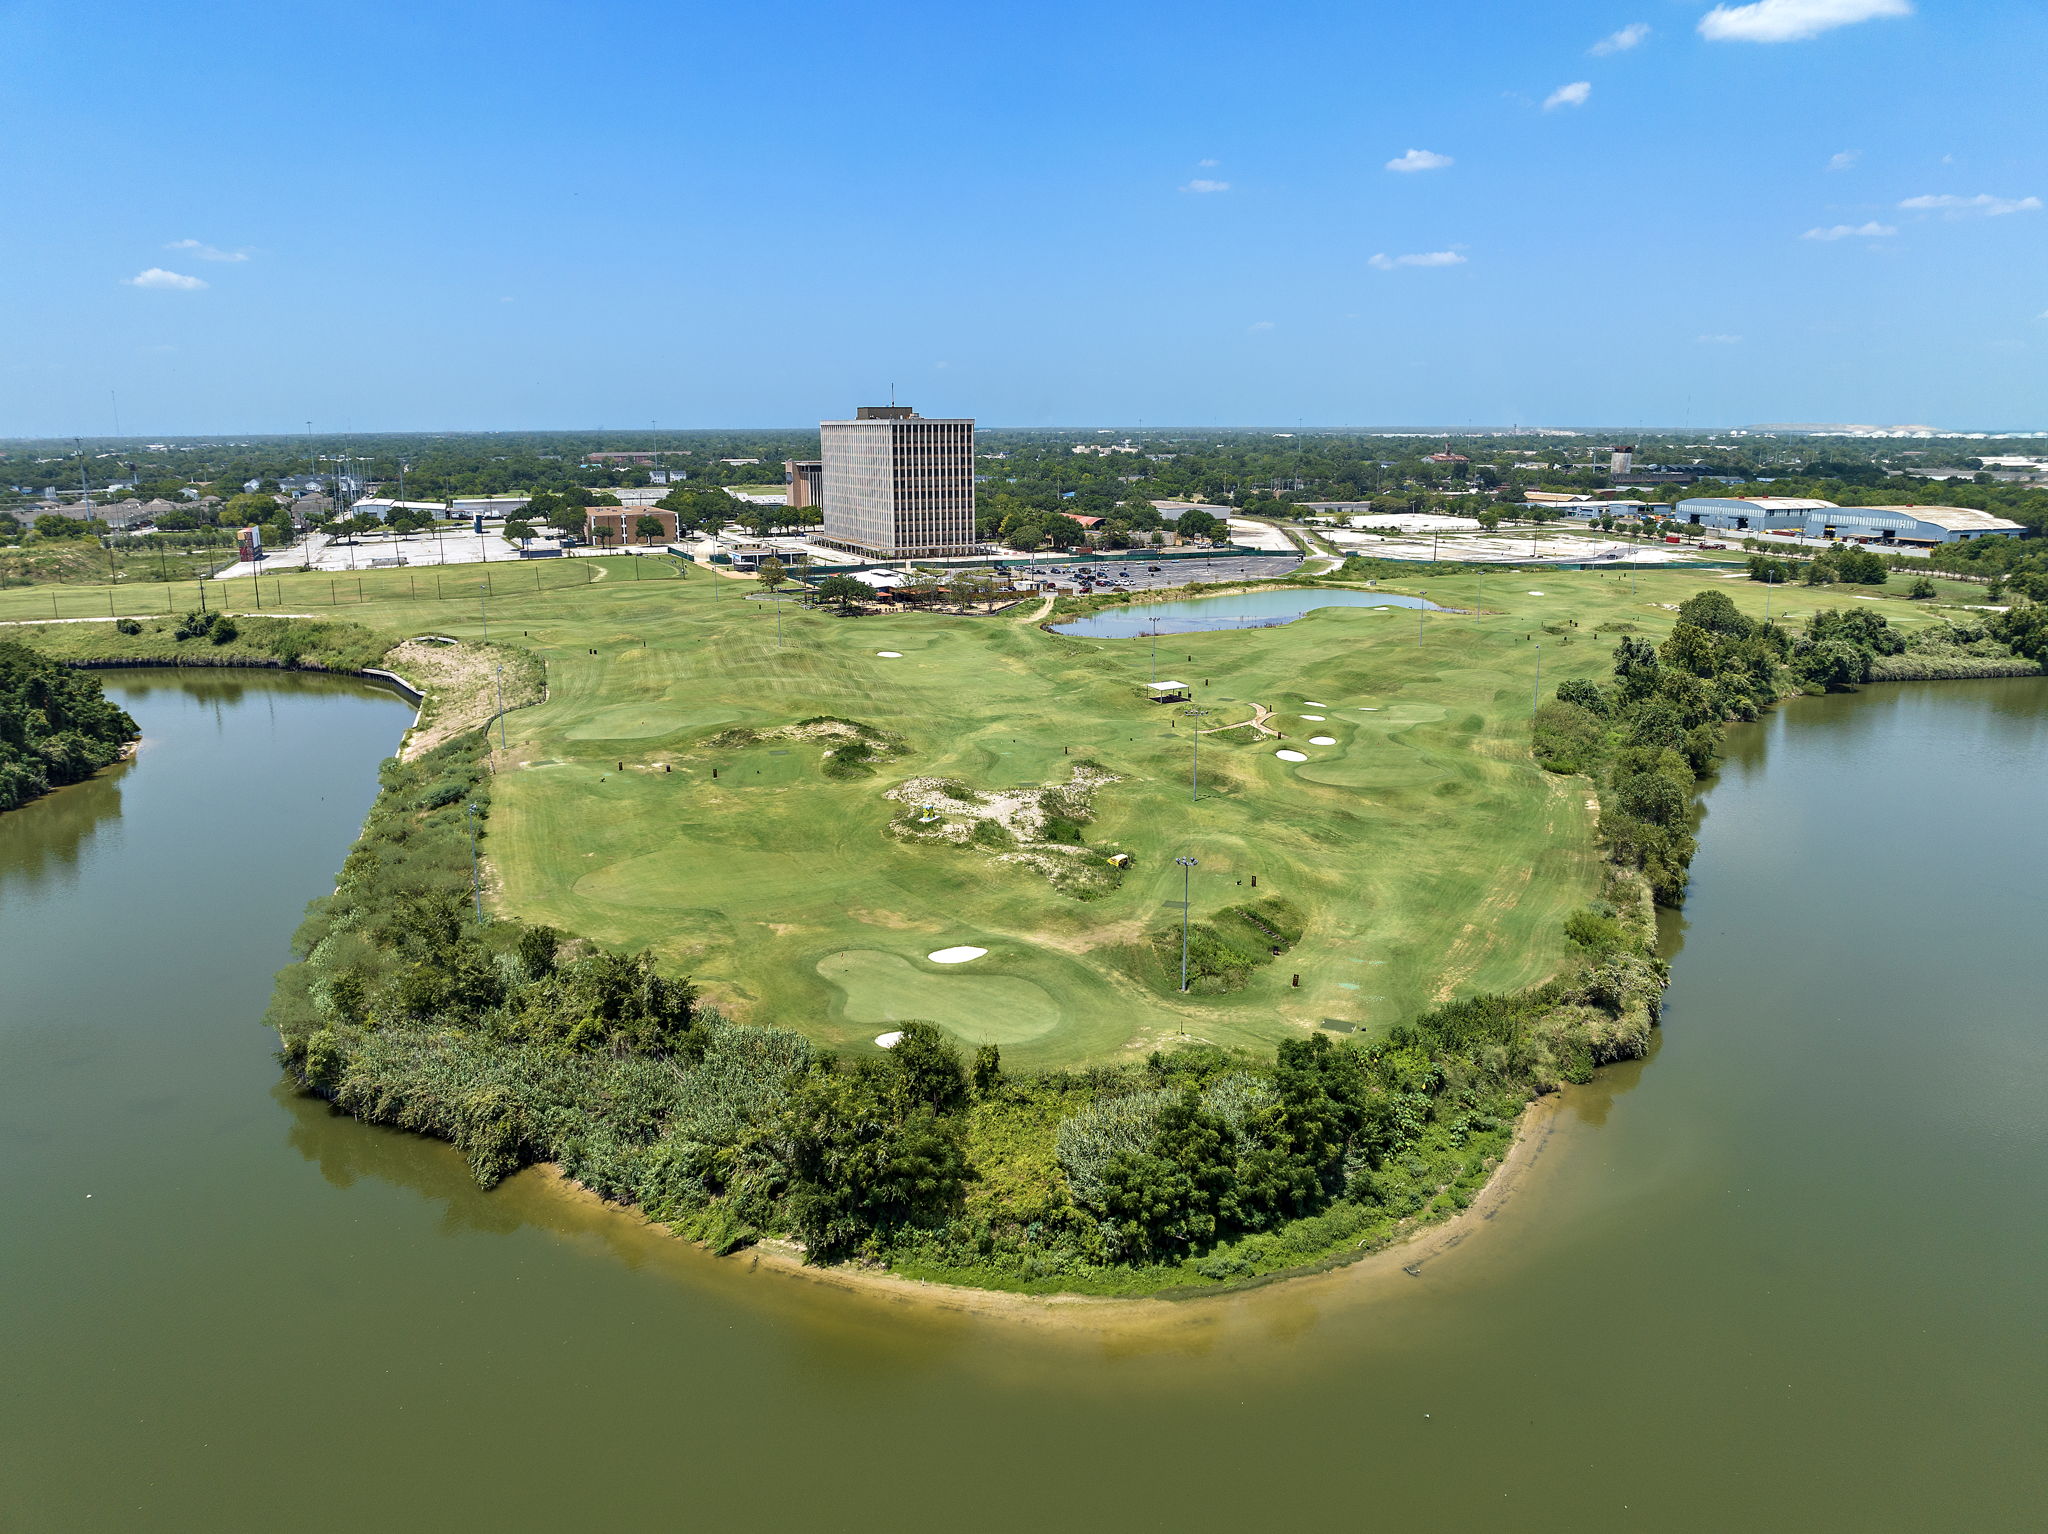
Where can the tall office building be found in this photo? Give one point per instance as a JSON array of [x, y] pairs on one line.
[[1621, 459], [898, 486]]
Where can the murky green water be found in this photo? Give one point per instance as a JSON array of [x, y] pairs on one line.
[[1784, 1276]]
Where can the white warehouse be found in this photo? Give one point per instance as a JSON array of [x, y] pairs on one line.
[[1824, 519]]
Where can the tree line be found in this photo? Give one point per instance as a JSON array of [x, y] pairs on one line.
[[56, 725]]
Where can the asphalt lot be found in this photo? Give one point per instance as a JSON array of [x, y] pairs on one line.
[[1136, 575]]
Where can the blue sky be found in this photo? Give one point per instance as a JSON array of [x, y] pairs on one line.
[[428, 216]]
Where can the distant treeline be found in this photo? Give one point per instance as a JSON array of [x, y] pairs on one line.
[[56, 726], [1026, 472]]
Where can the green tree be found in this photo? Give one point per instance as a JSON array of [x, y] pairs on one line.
[[866, 1160], [930, 1067], [769, 573], [518, 531], [649, 527], [1181, 1190], [988, 1070], [842, 589]]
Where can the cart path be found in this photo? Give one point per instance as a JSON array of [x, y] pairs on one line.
[[1260, 714]]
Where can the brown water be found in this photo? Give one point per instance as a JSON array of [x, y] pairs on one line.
[[1784, 1276]]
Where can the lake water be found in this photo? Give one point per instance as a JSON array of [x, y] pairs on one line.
[[1784, 1276], [1247, 610]]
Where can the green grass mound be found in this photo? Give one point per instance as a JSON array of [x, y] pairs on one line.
[[1226, 951]]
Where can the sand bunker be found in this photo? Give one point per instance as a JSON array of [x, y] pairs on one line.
[[1318, 718], [1322, 740], [889, 1040], [955, 955], [1311, 703], [1535, 593], [1290, 756], [890, 654]]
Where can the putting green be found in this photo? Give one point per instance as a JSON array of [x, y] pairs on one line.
[[877, 987]]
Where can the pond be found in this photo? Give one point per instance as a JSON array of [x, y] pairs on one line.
[[1246, 610], [1785, 1276]]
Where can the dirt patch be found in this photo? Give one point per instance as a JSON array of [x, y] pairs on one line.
[[462, 683], [1037, 828], [896, 921]]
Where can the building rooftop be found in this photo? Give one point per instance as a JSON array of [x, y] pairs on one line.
[[1957, 519], [1767, 502]]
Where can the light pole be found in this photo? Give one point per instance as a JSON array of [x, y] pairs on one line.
[[476, 887], [1187, 871], [1195, 735]]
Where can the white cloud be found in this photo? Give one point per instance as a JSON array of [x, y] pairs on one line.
[[1573, 95], [207, 252], [1622, 41], [1387, 263], [1208, 164], [1419, 159], [1792, 21], [1259, 325], [1982, 205], [1206, 186], [1872, 230], [1845, 159], [157, 277], [1717, 340]]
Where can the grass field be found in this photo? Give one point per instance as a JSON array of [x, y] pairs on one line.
[[1429, 857]]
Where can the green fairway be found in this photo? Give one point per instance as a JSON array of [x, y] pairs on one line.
[[1429, 858]]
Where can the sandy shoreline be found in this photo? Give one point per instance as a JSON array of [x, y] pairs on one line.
[[1331, 1277]]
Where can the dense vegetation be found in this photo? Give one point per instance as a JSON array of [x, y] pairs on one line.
[[1651, 732], [56, 726], [208, 637]]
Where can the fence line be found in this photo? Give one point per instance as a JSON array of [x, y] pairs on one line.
[[303, 591]]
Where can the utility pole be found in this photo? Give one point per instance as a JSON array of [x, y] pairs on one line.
[[1187, 869], [1536, 693]]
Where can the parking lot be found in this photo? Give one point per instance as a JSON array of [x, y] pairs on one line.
[[1141, 575]]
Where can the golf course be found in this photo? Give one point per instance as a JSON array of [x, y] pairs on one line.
[[682, 790]]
